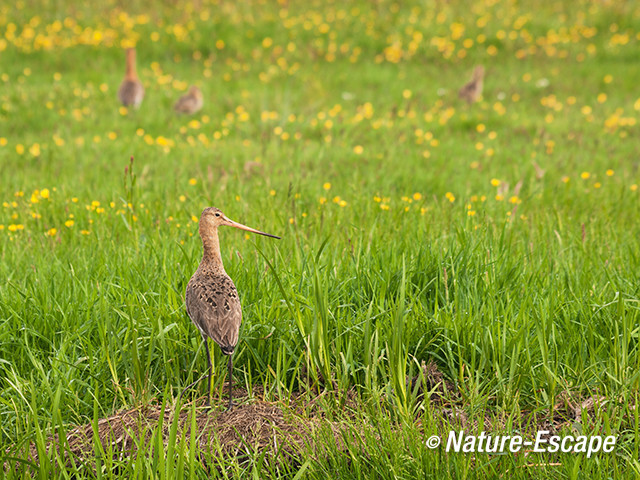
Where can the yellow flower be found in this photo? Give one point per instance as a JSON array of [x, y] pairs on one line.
[[327, 186], [69, 223], [322, 200], [633, 187], [495, 182], [610, 173], [182, 198], [585, 175], [272, 193], [193, 181], [85, 232], [358, 149], [44, 193], [194, 219], [20, 149], [51, 232], [162, 141], [565, 179], [417, 196]]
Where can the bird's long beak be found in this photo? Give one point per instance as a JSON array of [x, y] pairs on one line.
[[231, 223]]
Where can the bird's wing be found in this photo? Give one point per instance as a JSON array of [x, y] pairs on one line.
[[467, 89], [213, 305], [185, 104], [131, 92]]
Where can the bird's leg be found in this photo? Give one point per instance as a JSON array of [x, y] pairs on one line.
[[206, 344], [230, 366]]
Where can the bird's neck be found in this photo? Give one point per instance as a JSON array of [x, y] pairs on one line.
[[131, 66], [211, 258]]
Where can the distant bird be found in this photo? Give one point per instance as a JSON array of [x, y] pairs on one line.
[[472, 91], [211, 297], [191, 102], [131, 91]]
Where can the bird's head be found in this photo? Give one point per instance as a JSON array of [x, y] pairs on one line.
[[195, 92], [212, 218]]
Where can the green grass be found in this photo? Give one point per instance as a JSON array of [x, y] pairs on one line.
[[396, 246]]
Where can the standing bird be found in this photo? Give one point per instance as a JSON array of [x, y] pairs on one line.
[[189, 103], [131, 91], [471, 91], [211, 297]]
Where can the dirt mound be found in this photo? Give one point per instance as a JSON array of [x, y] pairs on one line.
[[253, 425]]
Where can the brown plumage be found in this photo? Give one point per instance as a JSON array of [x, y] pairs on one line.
[[191, 102], [472, 91], [131, 91], [211, 297]]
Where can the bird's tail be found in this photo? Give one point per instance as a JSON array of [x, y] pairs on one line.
[[228, 350]]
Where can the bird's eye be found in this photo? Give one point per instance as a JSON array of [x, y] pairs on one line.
[[217, 214]]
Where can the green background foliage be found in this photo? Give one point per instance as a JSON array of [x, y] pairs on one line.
[[498, 239]]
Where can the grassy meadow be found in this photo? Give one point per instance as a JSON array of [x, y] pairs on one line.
[[496, 242]]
